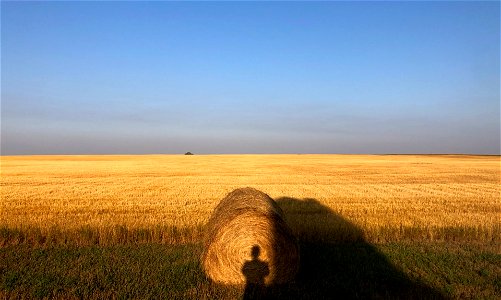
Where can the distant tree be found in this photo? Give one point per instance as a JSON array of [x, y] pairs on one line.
[[188, 153]]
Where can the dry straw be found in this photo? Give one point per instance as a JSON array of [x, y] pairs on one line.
[[247, 238]]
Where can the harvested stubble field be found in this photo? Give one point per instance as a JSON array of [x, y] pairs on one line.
[[398, 212]]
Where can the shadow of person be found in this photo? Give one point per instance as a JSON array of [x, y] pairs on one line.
[[255, 271], [336, 261]]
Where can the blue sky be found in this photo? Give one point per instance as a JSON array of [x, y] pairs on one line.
[[252, 77]]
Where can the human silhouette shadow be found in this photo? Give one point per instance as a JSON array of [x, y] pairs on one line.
[[255, 271], [336, 261]]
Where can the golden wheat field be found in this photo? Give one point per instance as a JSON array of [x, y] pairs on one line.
[[168, 198]]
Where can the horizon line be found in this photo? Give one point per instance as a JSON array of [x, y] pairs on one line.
[[208, 154]]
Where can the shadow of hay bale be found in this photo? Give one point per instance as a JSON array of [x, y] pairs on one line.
[[245, 235], [337, 262], [311, 221]]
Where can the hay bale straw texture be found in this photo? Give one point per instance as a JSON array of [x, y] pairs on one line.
[[244, 220]]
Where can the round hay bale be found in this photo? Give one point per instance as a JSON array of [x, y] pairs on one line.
[[247, 241]]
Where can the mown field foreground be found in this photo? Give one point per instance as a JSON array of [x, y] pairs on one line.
[[389, 271], [369, 226]]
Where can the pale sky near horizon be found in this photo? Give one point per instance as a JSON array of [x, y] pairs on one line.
[[250, 77]]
